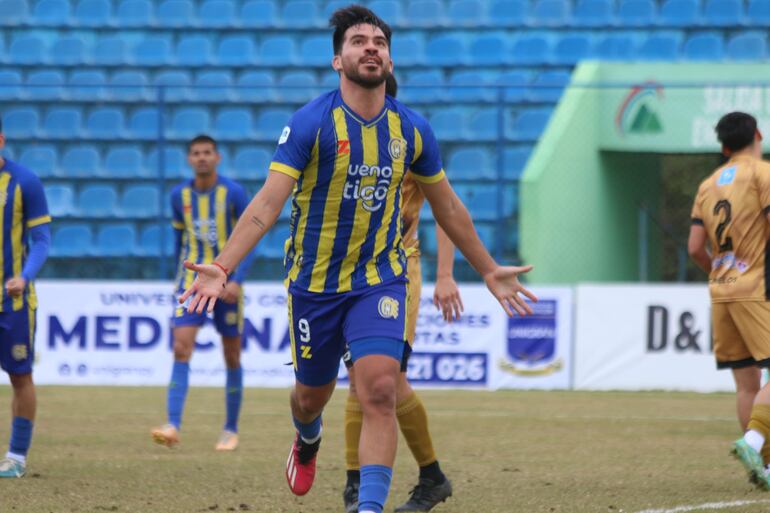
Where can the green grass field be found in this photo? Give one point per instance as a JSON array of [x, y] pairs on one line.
[[504, 451]]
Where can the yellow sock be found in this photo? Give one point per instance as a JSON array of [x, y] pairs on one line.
[[766, 454], [760, 419], [354, 419], [413, 420]]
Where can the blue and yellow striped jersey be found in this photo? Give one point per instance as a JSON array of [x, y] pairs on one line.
[[22, 206], [205, 220], [346, 221]]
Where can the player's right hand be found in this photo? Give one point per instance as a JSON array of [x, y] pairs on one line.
[[206, 288]]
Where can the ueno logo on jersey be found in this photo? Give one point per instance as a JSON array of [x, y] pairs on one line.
[[373, 195]]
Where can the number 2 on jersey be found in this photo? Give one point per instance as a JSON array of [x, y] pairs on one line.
[[727, 243]]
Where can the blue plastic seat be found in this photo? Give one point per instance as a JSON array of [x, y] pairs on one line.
[[175, 13], [115, 240], [130, 86], [482, 125], [10, 85], [531, 49], [548, 86], [13, 12], [278, 51], [297, 86], [72, 241], [679, 13], [27, 50], [21, 122], [256, 86], [135, 13], [144, 124], [301, 14], [98, 201], [93, 13], [189, 122], [448, 49], [489, 49], [530, 124], [758, 12], [271, 246], [40, 159], [508, 13], [572, 48], [140, 201], [45, 85], [251, 164], [270, 122], [217, 14], [481, 200], [329, 81], [516, 85], [471, 164], [124, 162], [515, 161], [176, 85], [106, 123], [214, 86], [259, 14], [422, 86], [408, 49], [51, 13], [61, 200], [425, 13], [69, 51], [174, 162], [236, 51], [331, 6], [617, 47], [723, 13], [448, 123], [707, 46], [748, 46], [234, 124], [471, 86], [63, 123], [194, 51], [661, 46], [466, 13], [80, 162], [150, 241], [390, 10], [551, 13], [315, 51], [110, 51], [592, 13], [637, 13], [152, 51]]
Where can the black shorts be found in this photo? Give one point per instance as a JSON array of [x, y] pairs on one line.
[[404, 359]]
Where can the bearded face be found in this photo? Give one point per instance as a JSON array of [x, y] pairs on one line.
[[365, 56]]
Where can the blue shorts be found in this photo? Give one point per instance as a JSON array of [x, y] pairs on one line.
[[228, 318], [17, 340], [323, 324]]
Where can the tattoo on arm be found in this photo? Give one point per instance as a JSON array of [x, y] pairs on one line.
[[256, 221]]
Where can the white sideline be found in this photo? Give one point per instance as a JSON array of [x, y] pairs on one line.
[[708, 505]]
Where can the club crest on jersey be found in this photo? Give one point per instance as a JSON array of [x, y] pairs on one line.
[[231, 318], [19, 352], [727, 175], [396, 149], [388, 307]]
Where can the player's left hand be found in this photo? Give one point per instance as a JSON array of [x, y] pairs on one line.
[[15, 286], [231, 293], [446, 297], [503, 283]]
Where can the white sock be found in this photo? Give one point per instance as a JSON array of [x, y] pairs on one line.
[[313, 440], [18, 457], [755, 439]]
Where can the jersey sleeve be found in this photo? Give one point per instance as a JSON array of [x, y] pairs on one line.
[[696, 215], [35, 204], [426, 165], [763, 187], [240, 200], [177, 218], [295, 145]]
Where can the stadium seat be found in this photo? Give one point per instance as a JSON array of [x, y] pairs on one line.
[[331, 6], [106, 123], [514, 161], [723, 13], [329, 81], [466, 13], [758, 12], [471, 86], [45, 85], [471, 164], [150, 240], [80, 162], [251, 164], [408, 49], [679, 13], [152, 51], [93, 13], [63, 123], [551, 13], [174, 163], [422, 86], [517, 84], [61, 200], [483, 125], [236, 51], [144, 123], [508, 13], [489, 49], [87, 85], [530, 124], [69, 51], [748, 46], [532, 48], [114, 240], [548, 86], [189, 122], [10, 85], [175, 13], [27, 50], [124, 162], [707, 46], [129, 86], [300, 14], [481, 200], [194, 51], [214, 87], [41, 159], [259, 14], [572, 48], [51, 13], [110, 51], [135, 13], [97, 201], [390, 10], [617, 47], [449, 49], [661, 46], [270, 122], [21, 122], [256, 86], [13, 12], [141, 201], [592, 13], [425, 13], [175, 84], [637, 13], [73, 240], [278, 51], [234, 124], [315, 51], [297, 86], [217, 14], [448, 123]]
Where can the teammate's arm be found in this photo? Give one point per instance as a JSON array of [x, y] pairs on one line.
[[696, 247], [37, 220], [446, 295]]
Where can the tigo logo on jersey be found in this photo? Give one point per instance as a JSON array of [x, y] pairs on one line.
[[284, 135], [388, 307], [371, 195], [727, 175], [396, 149], [343, 147]]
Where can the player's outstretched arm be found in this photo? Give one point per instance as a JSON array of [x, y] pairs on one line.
[[257, 219], [696, 247], [446, 295], [453, 217]]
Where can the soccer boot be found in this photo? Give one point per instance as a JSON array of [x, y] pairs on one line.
[[350, 497], [167, 435], [228, 441], [752, 462], [426, 495], [12, 468], [300, 467]]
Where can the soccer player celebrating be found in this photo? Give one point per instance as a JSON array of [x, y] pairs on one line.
[[732, 212], [433, 486], [205, 210], [23, 216], [343, 156]]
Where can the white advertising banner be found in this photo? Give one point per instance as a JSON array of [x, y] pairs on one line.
[[646, 337], [118, 333]]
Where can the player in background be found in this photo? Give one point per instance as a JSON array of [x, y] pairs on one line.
[[205, 210], [23, 218], [732, 212], [433, 486], [343, 156]]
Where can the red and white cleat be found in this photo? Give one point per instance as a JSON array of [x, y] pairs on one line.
[[300, 467]]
